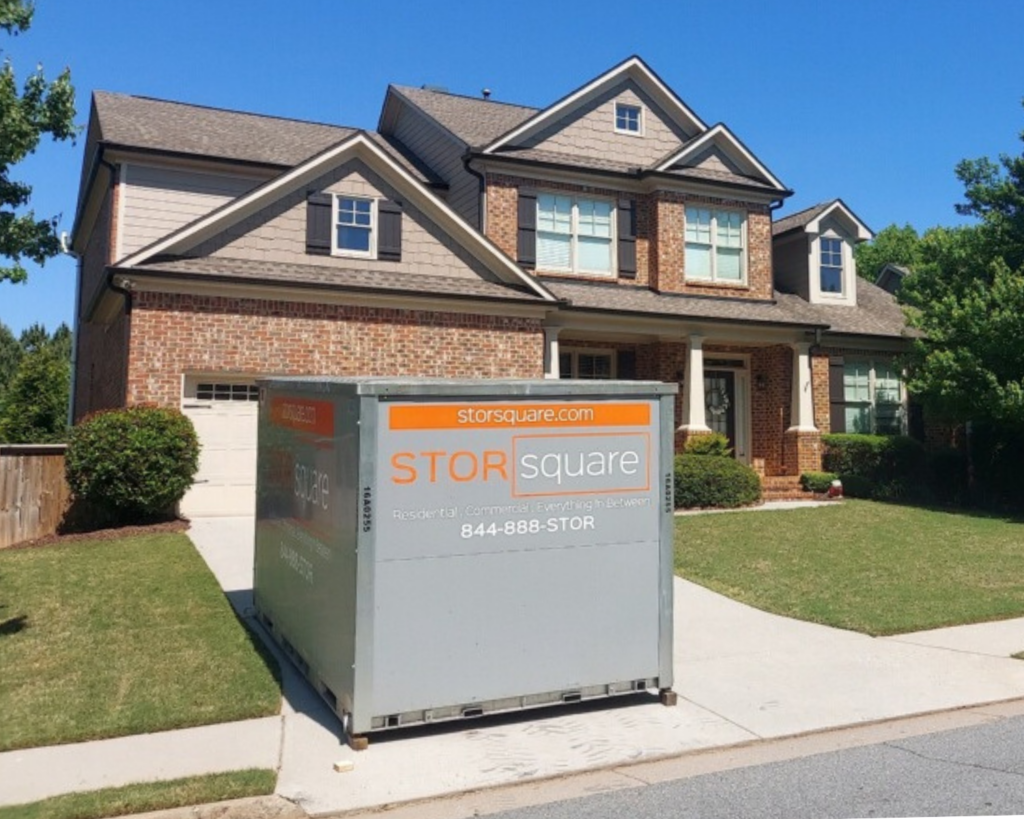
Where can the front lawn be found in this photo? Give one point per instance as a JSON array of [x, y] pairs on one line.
[[870, 567], [148, 796], [104, 638]]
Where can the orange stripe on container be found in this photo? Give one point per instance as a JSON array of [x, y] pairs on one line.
[[513, 416]]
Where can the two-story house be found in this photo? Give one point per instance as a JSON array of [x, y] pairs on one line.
[[612, 234]]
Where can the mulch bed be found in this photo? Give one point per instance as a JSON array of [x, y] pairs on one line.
[[178, 525]]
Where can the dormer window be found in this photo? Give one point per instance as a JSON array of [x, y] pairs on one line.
[[628, 118], [831, 265]]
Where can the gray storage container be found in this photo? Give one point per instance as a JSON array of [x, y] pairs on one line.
[[431, 549]]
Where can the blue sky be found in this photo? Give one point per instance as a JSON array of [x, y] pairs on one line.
[[874, 101]]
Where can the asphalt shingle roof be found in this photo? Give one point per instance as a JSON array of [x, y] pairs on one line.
[[799, 219], [411, 284], [163, 125], [876, 313], [475, 121]]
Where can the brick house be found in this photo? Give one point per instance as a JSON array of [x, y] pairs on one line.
[[612, 234]]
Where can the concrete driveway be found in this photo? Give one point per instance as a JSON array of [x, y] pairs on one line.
[[741, 675]]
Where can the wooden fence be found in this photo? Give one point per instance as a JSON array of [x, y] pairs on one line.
[[33, 492]]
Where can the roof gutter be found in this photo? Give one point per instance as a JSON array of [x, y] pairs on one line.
[[467, 159]]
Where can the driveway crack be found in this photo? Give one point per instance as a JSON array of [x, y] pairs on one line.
[[953, 762]]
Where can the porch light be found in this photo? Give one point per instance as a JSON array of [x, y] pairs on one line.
[[760, 382]]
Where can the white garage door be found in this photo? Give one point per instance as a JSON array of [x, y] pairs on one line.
[[224, 413]]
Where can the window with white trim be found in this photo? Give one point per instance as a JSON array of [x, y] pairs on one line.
[[831, 265], [628, 118], [354, 220], [874, 397], [715, 246], [574, 234], [588, 364]]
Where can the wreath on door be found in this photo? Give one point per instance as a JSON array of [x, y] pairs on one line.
[[717, 401]]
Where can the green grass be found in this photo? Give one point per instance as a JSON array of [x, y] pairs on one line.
[[113, 637], [194, 790], [870, 567]]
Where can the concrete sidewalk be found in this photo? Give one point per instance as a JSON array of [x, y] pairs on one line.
[[742, 675]]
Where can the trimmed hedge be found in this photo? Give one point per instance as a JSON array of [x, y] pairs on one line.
[[715, 444], [881, 467], [817, 481], [703, 481], [134, 464]]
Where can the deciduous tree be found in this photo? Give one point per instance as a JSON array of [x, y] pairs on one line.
[[39, 108]]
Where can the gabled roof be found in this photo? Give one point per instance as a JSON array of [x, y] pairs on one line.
[[633, 68], [809, 220], [147, 124], [730, 144], [362, 146], [471, 120]]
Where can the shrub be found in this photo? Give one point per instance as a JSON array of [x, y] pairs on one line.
[[894, 466], [817, 481], [857, 486], [947, 476], [132, 464], [715, 444], [34, 408], [720, 483]]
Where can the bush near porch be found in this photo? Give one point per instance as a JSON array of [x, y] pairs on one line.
[[871, 567], [714, 482]]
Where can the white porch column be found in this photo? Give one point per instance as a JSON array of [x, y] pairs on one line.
[[694, 418], [801, 414], [551, 352]]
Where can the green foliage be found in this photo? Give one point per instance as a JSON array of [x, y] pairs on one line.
[[967, 296], [817, 481], [10, 357], [882, 467], [35, 385], [34, 408], [135, 464], [715, 444], [891, 245], [947, 476], [40, 108], [714, 482]]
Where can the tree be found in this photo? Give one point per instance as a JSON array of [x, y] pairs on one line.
[[891, 245], [10, 357], [967, 296], [40, 108], [34, 408], [35, 383]]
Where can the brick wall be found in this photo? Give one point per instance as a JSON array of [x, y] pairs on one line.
[[660, 243], [176, 334]]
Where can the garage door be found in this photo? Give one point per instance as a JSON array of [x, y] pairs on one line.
[[224, 413]]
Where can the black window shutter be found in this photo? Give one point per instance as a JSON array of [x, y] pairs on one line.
[[627, 238], [318, 224], [526, 245], [626, 369], [836, 394], [389, 238]]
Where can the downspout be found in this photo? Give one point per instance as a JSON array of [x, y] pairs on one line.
[[74, 327], [481, 191]]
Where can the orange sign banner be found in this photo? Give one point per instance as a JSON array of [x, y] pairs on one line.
[[497, 416], [305, 415]]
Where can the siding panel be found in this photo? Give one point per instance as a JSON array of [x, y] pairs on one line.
[[158, 201]]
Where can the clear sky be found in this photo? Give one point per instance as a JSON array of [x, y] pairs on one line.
[[874, 101]]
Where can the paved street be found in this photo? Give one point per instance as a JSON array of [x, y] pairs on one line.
[[966, 772]]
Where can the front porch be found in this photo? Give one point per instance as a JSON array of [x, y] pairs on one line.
[[771, 400]]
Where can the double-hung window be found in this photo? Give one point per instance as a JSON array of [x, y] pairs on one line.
[[354, 226], [588, 364], [831, 265], [873, 392], [715, 249], [574, 234]]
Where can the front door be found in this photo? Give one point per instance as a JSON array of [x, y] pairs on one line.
[[720, 403]]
